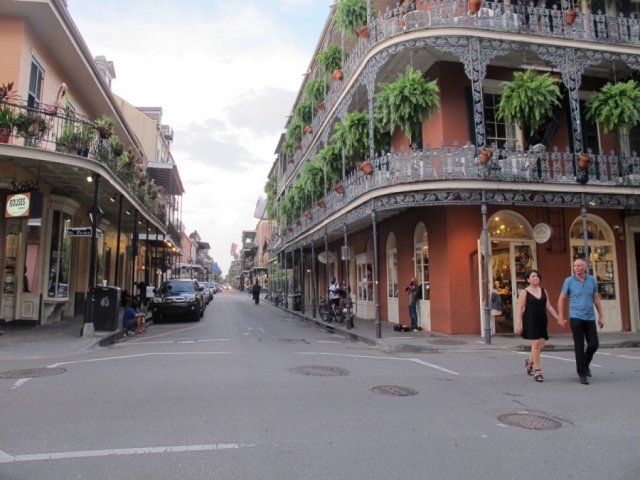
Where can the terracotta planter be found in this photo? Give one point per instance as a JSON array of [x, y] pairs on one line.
[[569, 17], [321, 203], [298, 223], [308, 215], [484, 156], [290, 160], [474, 5], [5, 134], [339, 189], [363, 31], [299, 146], [337, 74], [320, 106], [308, 129], [366, 168], [289, 229], [584, 160]]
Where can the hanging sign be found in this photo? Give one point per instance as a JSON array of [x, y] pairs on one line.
[[541, 233], [17, 205]]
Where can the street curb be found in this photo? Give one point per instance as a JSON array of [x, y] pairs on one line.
[[113, 337]]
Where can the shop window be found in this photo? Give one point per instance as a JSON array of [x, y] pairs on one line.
[[364, 278], [421, 261], [59, 256], [392, 267]]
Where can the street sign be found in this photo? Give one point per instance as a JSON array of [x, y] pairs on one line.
[[82, 232]]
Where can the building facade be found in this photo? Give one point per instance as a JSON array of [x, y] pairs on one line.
[[469, 201], [79, 206]]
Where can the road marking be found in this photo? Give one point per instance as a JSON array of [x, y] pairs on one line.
[[6, 458], [628, 356], [124, 357], [415, 360], [170, 342], [572, 360], [20, 381]]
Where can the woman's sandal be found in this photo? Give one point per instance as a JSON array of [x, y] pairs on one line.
[[528, 365], [538, 376]]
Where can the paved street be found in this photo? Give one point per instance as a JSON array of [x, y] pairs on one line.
[[252, 392]]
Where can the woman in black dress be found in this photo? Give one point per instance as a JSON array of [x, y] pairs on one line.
[[531, 320]]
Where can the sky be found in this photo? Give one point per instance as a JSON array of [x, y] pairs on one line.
[[226, 75]]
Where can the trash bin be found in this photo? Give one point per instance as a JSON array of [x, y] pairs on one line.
[[106, 308], [297, 302]]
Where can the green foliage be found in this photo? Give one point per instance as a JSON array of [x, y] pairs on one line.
[[31, 124], [312, 179], [105, 124], [294, 130], [292, 203], [116, 146], [350, 14], [7, 118], [615, 106], [270, 188], [314, 90], [330, 160], [304, 112], [528, 99], [330, 59], [352, 135], [407, 101]]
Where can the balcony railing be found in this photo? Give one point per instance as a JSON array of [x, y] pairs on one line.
[[462, 163], [51, 128]]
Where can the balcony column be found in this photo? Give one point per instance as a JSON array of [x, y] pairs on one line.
[[326, 265], [301, 283], [134, 254], [585, 233], [486, 273], [117, 269], [95, 214], [346, 275], [376, 282], [314, 282]]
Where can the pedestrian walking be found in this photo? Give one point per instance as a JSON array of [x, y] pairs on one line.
[[582, 291], [255, 292], [531, 320]]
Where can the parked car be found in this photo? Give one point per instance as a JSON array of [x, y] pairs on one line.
[[207, 291], [216, 287], [180, 298]]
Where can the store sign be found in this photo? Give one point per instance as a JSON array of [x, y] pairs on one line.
[[82, 232], [541, 233], [17, 205]]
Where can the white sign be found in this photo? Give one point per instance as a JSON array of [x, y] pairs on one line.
[[17, 205], [541, 233], [82, 232]]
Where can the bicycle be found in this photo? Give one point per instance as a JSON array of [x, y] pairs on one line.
[[330, 312]]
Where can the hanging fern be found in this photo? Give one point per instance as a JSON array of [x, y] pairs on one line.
[[407, 101], [331, 162], [304, 112], [351, 14], [330, 58], [615, 106], [312, 178], [352, 135], [314, 90], [528, 99]]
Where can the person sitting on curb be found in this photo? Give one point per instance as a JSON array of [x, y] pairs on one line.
[[133, 318]]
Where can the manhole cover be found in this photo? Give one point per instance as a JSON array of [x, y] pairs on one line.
[[321, 371], [447, 341], [396, 390], [31, 373], [532, 422]]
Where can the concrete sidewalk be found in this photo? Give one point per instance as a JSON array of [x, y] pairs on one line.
[[394, 341]]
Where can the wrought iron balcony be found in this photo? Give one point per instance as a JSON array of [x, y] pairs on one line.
[[510, 168]]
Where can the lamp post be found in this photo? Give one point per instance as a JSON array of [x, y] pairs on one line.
[[95, 214]]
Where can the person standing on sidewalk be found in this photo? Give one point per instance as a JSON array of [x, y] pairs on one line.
[[531, 320], [582, 291], [412, 291]]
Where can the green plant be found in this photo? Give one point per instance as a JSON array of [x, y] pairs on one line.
[[31, 124], [7, 118], [350, 14], [314, 90], [116, 146], [615, 106], [407, 101], [330, 160], [304, 112], [330, 59], [104, 125], [528, 99], [312, 179], [352, 135], [294, 131]]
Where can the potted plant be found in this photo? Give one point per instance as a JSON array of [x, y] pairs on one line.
[[350, 16], [31, 125], [312, 180], [615, 105], [117, 148], [352, 137], [330, 160], [407, 102], [474, 5], [314, 91], [304, 112], [7, 119], [528, 100], [104, 125], [330, 59]]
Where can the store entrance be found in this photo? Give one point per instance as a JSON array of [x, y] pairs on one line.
[[510, 260]]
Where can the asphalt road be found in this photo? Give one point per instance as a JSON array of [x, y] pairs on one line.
[[251, 392]]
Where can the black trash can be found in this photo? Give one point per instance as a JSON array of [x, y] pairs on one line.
[[297, 301], [106, 308]]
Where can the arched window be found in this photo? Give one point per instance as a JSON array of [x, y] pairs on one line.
[[392, 267], [421, 260]]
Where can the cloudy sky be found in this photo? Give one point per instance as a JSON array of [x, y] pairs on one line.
[[226, 75]]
